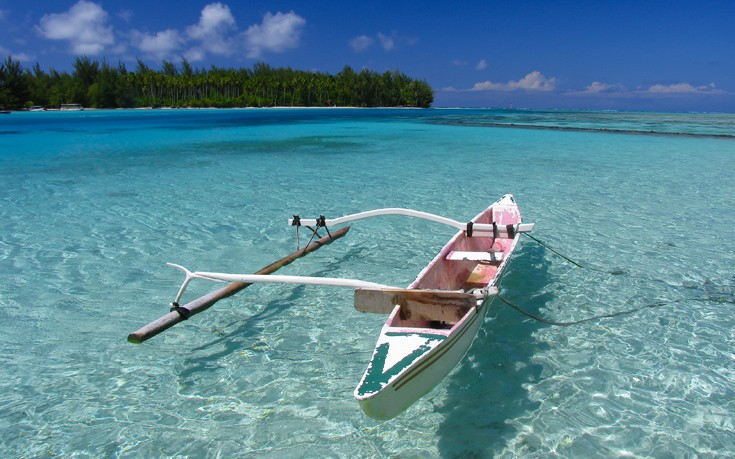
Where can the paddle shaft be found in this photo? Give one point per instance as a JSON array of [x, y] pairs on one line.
[[203, 303]]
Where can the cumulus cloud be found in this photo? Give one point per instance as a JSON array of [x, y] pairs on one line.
[[84, 26], [277, 33], [214, 20], [215, 23], [482, 65], [23, 57], [126, 15], [534, 81], [161, 45], [681, 88], [597, 87], [618, 91], [211, 34], [361, 43], [388, 43], [195, 55], [87, 28]]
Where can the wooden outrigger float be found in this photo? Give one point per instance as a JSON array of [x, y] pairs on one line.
[[431, 324], [181, 313]]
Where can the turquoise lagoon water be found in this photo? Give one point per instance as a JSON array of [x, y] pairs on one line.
[[92, 204]]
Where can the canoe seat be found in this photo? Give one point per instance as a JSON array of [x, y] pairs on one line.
[[481, 276], [475, 256]]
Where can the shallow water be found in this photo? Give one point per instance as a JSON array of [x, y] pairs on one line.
[[93, 203]]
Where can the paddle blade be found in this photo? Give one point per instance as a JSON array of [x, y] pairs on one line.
[[415, 304]]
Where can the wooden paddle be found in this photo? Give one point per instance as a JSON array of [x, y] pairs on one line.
[[416, 304]]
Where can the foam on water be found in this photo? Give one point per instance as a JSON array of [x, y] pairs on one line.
[[93, 203]]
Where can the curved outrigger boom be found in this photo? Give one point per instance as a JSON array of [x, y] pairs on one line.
[[472, 229]]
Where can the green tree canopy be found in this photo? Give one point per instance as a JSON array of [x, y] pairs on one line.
[[101, 85]]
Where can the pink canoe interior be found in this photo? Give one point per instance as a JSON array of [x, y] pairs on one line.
[[444, 273]]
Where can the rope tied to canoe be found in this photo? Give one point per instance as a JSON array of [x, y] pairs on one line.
[[321, 222], [586, 319], [615, 272], [610, 315], [718, 299], [183, 312]]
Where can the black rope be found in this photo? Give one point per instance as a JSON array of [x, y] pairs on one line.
[[322, 222], [587, 319], [718, 299], [183, 312], [313, 233], [614, 314], [297, 222], [616, 272]]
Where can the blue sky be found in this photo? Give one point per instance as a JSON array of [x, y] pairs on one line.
[[639, 55]]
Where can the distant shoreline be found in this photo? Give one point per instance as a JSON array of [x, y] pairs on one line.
[[90, 109], [338, 107]]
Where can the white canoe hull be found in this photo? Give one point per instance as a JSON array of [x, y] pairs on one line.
[[410, 383], [413, 356]]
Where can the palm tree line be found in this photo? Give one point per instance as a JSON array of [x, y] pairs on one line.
[[101, 85]]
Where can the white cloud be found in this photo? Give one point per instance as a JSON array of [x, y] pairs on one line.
[[482, 65], [195, 55], [23, 57], [126, 15], [161, 45], [597, 87], [534, 81], [84, 26], [215, 22], [361, 43], [276, 33], [209, 35], [681, 88], [388, 43], [618, 91]]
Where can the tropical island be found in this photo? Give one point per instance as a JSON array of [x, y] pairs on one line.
[[100, 85]]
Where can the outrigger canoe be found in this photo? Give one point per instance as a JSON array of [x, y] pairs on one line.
[[419, 346], [432, 323]]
